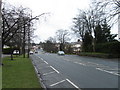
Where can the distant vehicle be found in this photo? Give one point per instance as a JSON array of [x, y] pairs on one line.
[[61, 53], [31, 52], [36, 51], [16, 52]]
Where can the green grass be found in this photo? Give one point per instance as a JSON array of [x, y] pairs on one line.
[[0, 77], [19, 73]]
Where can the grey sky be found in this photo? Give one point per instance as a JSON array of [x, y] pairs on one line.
[[62, 12]]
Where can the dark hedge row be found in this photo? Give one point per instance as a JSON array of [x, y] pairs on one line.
[[8, 50], [110, 47]]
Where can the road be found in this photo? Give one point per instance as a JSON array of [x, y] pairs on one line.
[[82, 72]]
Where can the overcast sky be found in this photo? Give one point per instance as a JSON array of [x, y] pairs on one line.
[[62, 12]]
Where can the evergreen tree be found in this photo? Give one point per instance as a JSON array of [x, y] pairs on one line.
[[106, 34], [98, 34], [103, 34], [87, 42]]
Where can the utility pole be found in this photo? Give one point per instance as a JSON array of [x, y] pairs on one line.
[[0, 34]]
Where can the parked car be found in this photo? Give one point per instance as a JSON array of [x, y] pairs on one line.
[[16, 52], [31, 52], [61, 53], [36, 51]]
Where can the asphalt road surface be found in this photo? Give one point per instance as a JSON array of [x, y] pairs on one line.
[[79, 71]]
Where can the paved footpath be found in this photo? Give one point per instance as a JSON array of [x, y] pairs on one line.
[[49, 77]]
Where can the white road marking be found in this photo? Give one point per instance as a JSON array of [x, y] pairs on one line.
[[55, 69], [45, 62], [57, 83], [72, 83], [36, 69], [80, 63], [48, 73], [108, 71], [42, 59]]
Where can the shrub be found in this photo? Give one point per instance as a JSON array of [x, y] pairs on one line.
[[109, 47], [8, 50]]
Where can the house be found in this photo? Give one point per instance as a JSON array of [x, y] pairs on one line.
[[76, 46]]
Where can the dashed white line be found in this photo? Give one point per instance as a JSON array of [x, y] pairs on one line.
[[48, 73], [80, 63], [72, 83], [108, 71], [55, 69], [45, 62], [42, 59], [57, 83], [36, 69]]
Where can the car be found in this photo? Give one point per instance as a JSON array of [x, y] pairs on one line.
[[31, 52], [61, 53], [16, 52], [36, 51]]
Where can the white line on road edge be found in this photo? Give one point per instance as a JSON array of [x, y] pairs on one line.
[[48, 73], [55, 69], [73, 84], [108, 71], [40, 58], [36, 69], [57, 83], [45, 62]]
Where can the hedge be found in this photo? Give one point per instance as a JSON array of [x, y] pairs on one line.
[[8, 50], [109, 47]]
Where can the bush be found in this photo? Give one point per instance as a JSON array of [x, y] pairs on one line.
[[99, 55], [8, 50], [110, 47]]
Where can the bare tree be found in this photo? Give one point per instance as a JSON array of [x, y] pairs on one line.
[[87, 20], [52, 39], [111, 7], [62, 37], [18, 22]]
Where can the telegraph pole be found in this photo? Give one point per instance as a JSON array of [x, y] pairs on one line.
[[0, 33]]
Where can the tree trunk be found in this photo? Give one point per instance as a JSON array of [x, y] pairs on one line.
[[24, 41]]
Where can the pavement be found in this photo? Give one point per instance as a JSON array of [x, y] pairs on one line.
[[75, 72]]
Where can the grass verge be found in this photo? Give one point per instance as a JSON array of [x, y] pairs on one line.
[[19, 73], [0, 77]]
